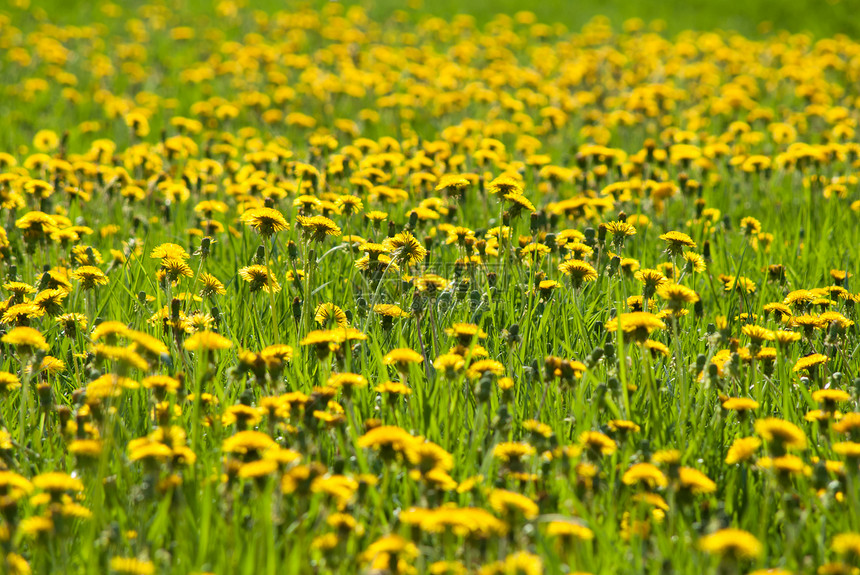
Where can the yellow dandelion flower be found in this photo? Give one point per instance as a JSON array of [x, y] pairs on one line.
[[89, 277], [636, 325], [508, 503], [780, 432], [578, 271], [695, 481], [676, 242], [810, 362], [265, 221], [207, 341], [732, 542], [132, 566], [644, 473], [260, 278], [26, 339]]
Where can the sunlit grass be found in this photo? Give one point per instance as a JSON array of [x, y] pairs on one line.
[[327, 290]]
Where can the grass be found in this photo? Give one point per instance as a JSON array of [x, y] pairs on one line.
[[510, 395], [820, 19]]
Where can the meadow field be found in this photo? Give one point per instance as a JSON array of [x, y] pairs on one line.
[[443, 287]]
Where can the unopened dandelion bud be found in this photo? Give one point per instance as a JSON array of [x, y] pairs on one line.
[[713, 370], [512, 335], [175, 307], [45, 281], [609, 350], [46, 396], [474, 299], [596, 355], [602, 389], [820, 475], [392, 229], [260, 255], [417, 303], [444, 302], [413, 220], [484, 387], [590, 235], [205, 246], [614, 264], [503, 417], [64, 413], [297, 308]]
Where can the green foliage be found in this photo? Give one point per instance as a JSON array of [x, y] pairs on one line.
[[500, 398]]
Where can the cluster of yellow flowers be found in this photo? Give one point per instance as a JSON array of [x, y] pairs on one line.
[[439, 298]]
